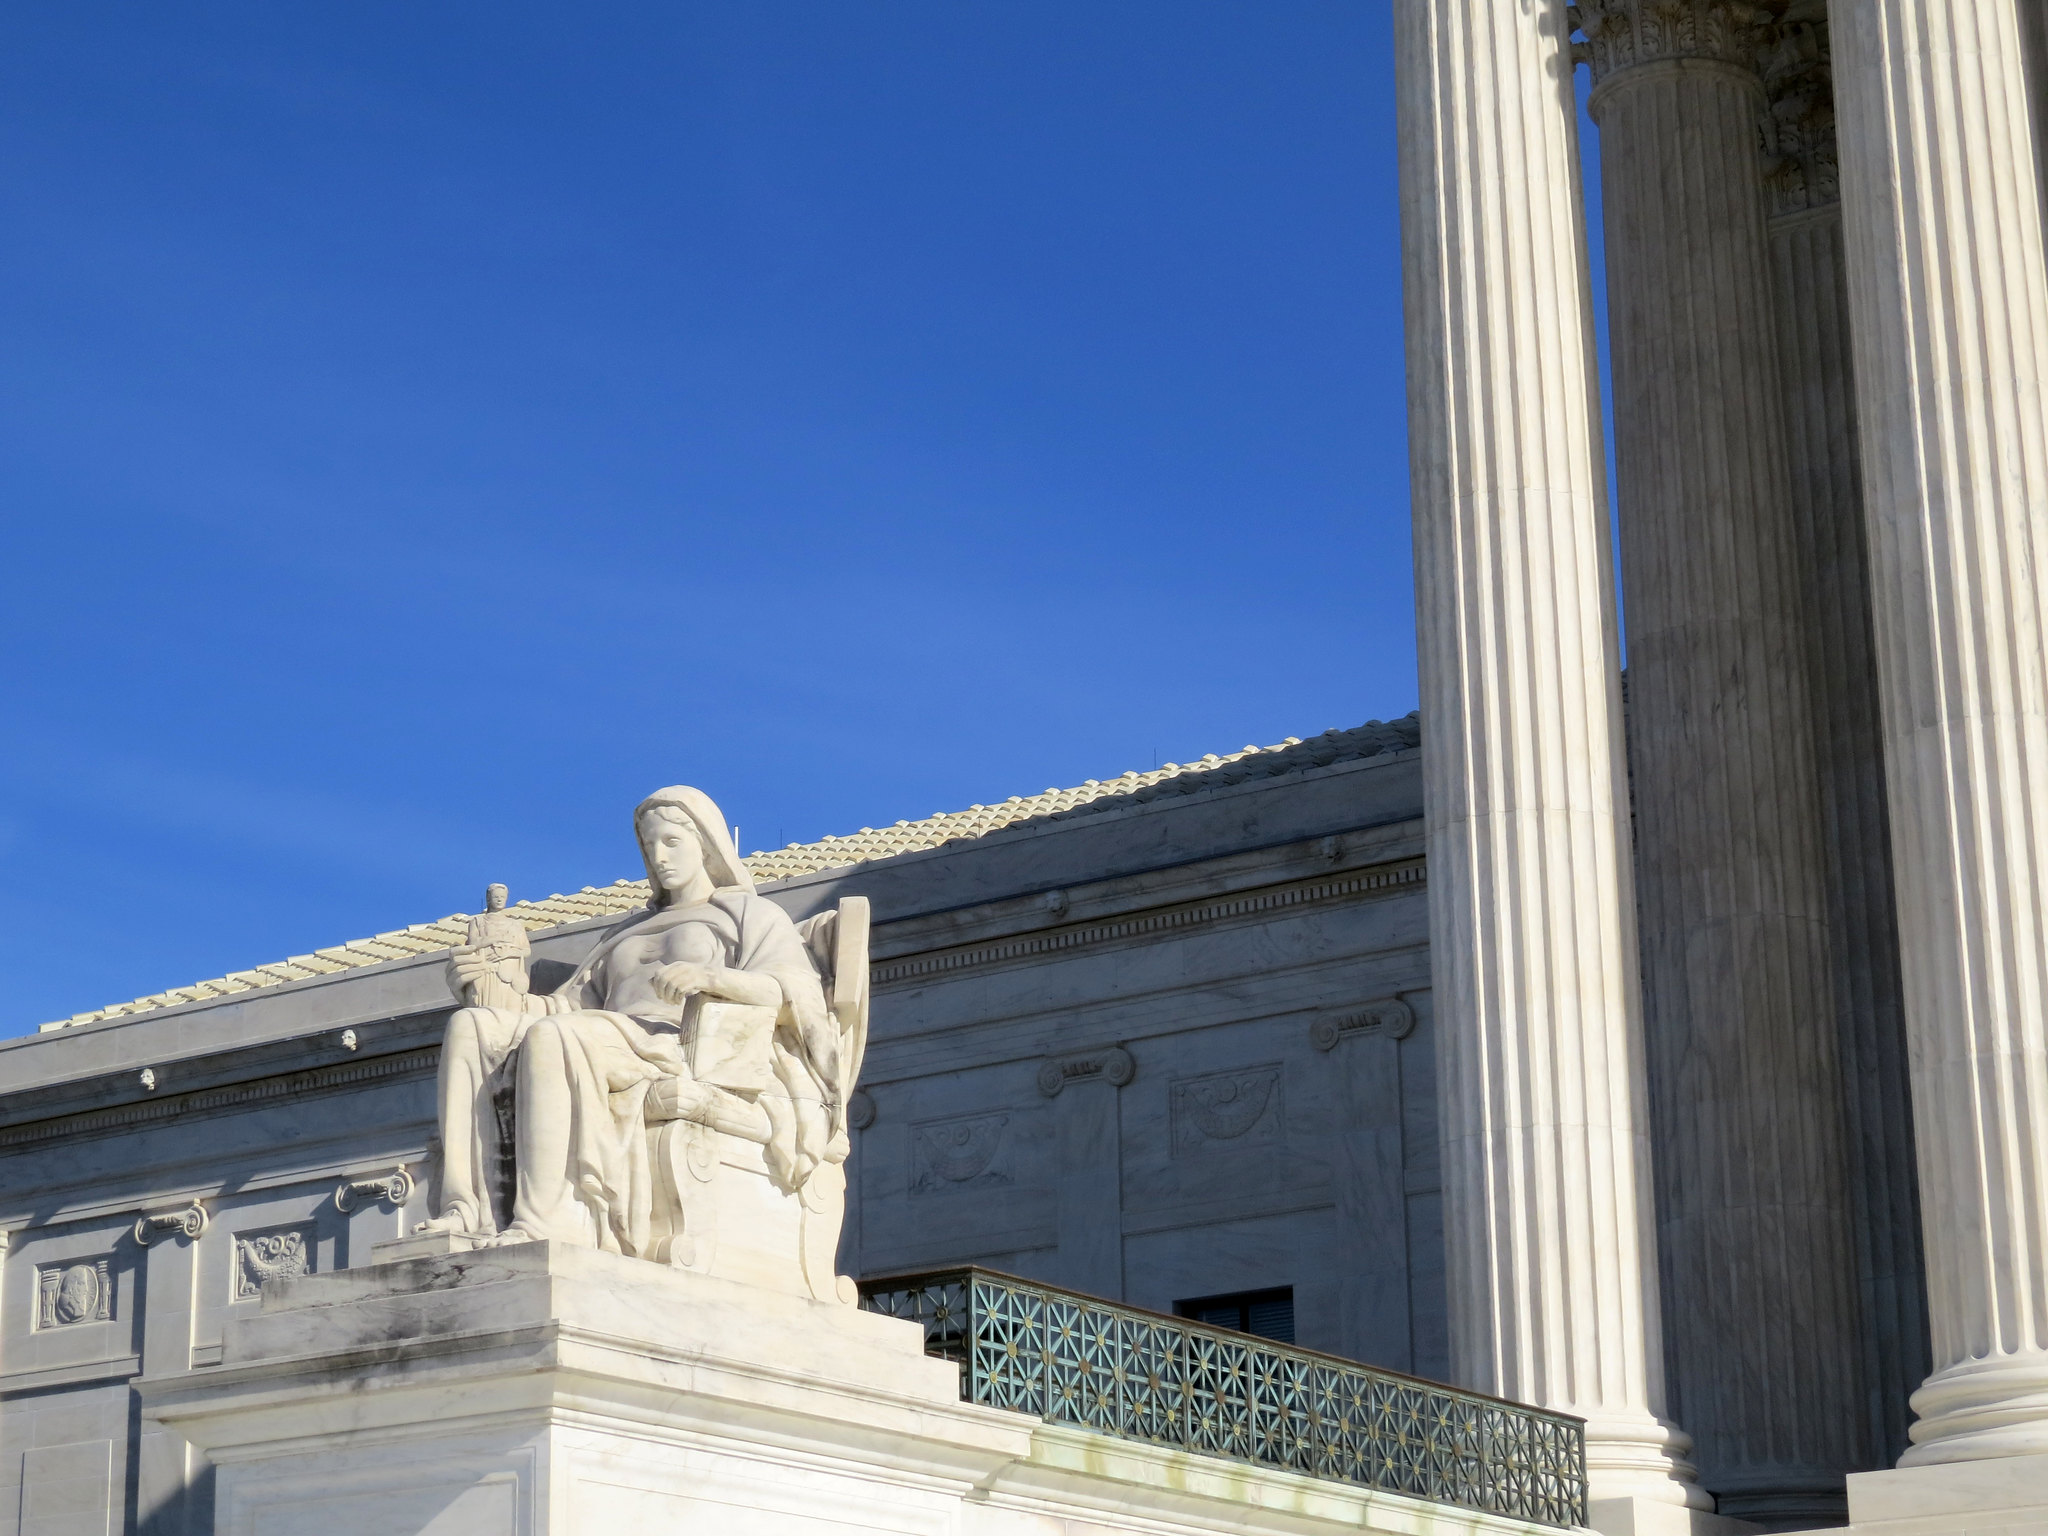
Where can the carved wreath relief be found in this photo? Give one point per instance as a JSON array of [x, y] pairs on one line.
[[259, 1256], [69, 1294], [1240, 1106], [956, 1152]]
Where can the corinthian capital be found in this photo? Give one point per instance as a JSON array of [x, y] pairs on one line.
[[1797, 65], [1615, 35]]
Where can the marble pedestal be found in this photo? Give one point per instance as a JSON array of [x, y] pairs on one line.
[[546, 1388], [541, 1389]]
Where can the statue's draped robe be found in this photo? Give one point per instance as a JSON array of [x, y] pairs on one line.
[[611, 1059]]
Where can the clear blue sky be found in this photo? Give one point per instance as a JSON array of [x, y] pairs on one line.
[[429, 428]]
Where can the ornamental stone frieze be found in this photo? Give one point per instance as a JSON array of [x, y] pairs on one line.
[[1615, 35]]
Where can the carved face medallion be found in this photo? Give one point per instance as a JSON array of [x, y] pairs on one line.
[[75, 1292], [78, 1294]]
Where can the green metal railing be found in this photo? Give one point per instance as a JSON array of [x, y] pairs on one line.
[[1142, 1376]]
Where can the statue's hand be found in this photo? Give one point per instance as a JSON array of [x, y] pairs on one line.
[[467, 967], [677, 982]]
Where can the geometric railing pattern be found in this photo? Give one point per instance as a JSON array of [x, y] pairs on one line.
[[1144, 1376]]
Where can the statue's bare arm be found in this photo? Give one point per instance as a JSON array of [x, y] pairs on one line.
[[678, 981]]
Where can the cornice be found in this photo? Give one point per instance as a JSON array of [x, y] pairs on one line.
[[1337, 887], [295, 1085]]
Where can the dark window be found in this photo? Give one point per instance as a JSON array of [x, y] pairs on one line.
[[1269, 1314]]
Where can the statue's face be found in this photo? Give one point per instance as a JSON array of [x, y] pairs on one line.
[[674, 850]]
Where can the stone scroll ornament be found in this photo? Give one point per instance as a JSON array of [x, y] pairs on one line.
[[682, 1098]]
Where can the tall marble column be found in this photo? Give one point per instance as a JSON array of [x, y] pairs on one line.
[[1551, 1288], [1949, 296], [1809, 286], [1753, 1191]]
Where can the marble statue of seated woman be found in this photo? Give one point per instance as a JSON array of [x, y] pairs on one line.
[[593, 1062]]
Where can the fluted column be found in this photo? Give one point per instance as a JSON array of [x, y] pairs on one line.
[[1547, 1221], [1753, 1204], [1949, 298], [2034, 45], [1812, 317]]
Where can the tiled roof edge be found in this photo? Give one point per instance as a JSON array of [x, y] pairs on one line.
[[1294, 755]]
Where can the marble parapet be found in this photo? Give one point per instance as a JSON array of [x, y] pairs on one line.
[[545, 1388]]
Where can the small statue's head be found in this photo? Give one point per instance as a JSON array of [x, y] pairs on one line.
[[685, 845]]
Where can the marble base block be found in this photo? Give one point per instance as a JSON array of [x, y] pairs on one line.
[[1998, 1496], [421, 1245], [542, 1389]]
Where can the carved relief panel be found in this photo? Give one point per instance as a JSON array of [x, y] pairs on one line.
[[68, 1294], [957, 1153], [939, 1185], [280, 1252], [1226, 1111], [300, 1228]]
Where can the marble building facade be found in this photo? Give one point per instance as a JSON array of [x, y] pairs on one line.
[[1686, 1074]]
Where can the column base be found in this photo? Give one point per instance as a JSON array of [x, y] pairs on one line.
[[1642, 1461], [1793, 1499], [2006, 1496], [1649, 1517], [1994, 1407]]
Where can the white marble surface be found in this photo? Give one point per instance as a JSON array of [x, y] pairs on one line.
[[1948, 290], [1552, 1277], [551, 1388]]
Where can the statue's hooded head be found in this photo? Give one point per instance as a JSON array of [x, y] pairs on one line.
[[721, 860]]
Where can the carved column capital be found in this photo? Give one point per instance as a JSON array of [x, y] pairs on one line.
[[1113, 1066], [393, 1188], [1796, 60], [189, 1222], [1615, 35], [1384, 1016]]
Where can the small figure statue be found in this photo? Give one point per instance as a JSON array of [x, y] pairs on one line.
[[500, 942], [682, 1097]]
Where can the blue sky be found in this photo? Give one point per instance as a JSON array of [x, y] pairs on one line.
[[428, 428]]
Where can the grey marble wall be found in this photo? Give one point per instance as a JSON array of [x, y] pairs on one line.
[[1170, 1050]]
